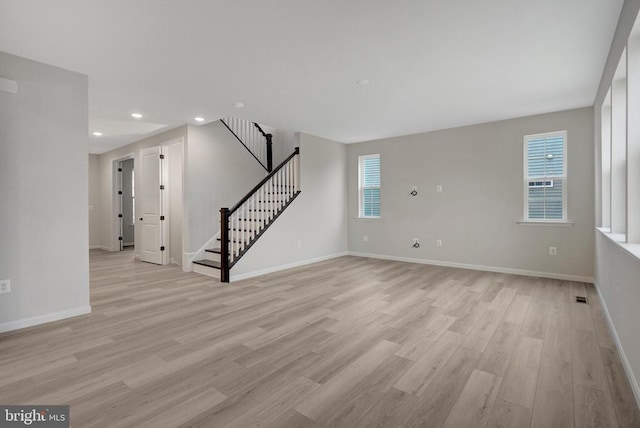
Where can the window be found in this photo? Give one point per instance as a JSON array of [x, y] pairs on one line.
[[546, 183], [545, 176], [369, 186]]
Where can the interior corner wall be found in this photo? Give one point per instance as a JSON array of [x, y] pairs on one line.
[[94, 201], [314, 226], [476, 216], [44, 231], [617, 271], [284, 143]]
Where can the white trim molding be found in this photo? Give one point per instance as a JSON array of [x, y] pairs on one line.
[[187, 261], [284, 267], [43, 319], [547, 223], [623, 357], [99, 247], [537, 274]]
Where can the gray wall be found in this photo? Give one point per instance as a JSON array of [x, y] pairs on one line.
[[94, 201], [617, 280], [44, 231], [313, 227], [617, 271], [481, 170], [176, 208]]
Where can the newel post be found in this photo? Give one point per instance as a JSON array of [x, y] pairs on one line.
[[224, 244], [269, 138]]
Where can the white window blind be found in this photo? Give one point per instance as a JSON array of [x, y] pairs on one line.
[[545, 176], [369, 185]]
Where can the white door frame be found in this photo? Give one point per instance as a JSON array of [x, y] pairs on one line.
[[116, 203], [115, 243], [171, 147]]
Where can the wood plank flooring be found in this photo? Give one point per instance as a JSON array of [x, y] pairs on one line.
[[350, 342]]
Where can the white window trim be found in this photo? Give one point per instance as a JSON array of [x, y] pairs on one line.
[[360, 188], [546, 223], [526, 179]]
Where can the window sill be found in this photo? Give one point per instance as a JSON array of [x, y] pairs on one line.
[[368, 218], [546, 223], [620, 238]]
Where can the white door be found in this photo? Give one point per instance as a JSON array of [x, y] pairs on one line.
[[151, 212]]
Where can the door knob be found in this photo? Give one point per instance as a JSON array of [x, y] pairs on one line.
[[140, 218]]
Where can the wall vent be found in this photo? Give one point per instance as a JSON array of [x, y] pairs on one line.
[[582, 299]]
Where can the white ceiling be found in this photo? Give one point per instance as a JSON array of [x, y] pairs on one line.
[[432, 64]]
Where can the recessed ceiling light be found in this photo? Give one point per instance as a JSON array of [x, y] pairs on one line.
[[136, 115], [363, 82], [239, 104], [199, 119], [97, 133]]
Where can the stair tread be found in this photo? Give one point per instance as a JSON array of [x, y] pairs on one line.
[[208, 263], [214, 250]]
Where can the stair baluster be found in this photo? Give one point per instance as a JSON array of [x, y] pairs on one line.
[[253, 138]]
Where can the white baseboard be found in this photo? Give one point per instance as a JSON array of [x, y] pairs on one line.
[[187, 261], [99, 247], [623, 357], [284, 267], [204, 270], [43, 319], [537, 274]]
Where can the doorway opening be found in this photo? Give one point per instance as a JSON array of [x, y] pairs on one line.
[[124, 195], [127, 204]]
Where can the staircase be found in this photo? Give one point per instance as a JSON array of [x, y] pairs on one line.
[[242, 225], [253, 138]]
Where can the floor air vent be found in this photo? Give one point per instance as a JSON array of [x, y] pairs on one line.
[[581, 299]]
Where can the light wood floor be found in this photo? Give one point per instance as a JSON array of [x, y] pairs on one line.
[[350, 342]]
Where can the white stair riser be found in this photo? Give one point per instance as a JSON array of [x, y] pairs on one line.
[[204, 270], [214, 257]]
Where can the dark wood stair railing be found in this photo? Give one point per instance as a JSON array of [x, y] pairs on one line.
[[253, 138], [242, 225]]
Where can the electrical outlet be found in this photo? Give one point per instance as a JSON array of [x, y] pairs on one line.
[[439, 188], [5, 286], [553, 251], [365, 238], [438, 242]]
